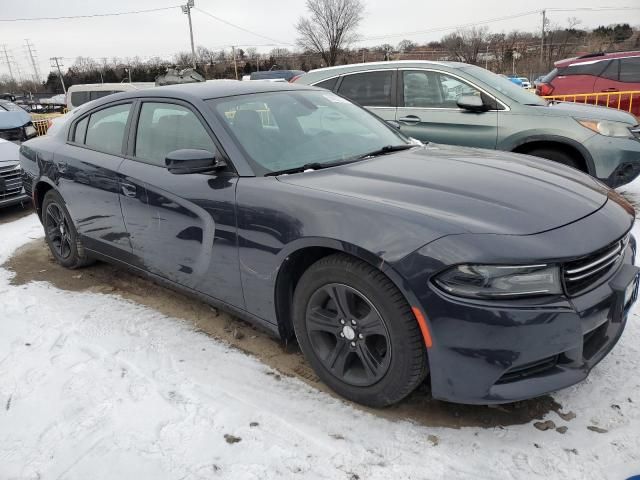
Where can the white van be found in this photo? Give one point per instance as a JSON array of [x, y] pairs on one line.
[[83, 93]]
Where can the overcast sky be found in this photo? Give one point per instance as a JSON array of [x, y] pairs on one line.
[[166, 32]]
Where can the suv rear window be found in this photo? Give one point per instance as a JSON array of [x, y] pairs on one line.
[[589, 68], [370, 89], [79, 98], [329, 84]]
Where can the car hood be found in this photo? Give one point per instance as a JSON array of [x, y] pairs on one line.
[[588, 112], [9, 153], [13, 119], [466, 190]]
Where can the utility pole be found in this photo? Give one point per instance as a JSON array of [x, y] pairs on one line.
[[235, 65], [6, 56], [544, 20], [55, 59], [36, 72], [486, 58], [187, 10]]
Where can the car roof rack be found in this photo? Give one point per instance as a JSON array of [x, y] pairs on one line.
[[591, 55]]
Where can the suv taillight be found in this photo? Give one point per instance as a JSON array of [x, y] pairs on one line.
[[293, 79], [544, 89]]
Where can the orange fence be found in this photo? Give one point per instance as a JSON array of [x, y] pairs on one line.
[[628, 101]]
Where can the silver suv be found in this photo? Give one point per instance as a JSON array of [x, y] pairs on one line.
[[461, 104]]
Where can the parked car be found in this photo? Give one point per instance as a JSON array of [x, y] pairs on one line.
[[11, 190], [513, 79], [15, 123], [486, 110], [597, 73], [80, 94], [500, 276], [525, 82], [276, 75]]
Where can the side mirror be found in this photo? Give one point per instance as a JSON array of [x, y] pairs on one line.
[[394, 124], [190, 160], [472, 103]]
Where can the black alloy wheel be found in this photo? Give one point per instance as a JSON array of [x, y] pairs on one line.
[[57, 231], [348, 334], [357, 331]]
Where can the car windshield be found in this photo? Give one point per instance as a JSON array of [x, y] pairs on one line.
[[289, 129], [505, 86], [10, 107]]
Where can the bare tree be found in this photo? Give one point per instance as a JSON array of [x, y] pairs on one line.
[[465, 45], [330, 28], [406, 46]]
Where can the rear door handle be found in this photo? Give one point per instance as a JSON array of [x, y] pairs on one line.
[[410, 119], [128, 190], [612, 89]]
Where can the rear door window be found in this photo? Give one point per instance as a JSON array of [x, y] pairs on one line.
[[81, 130], [630, 70], [369, 89], [105, 131]]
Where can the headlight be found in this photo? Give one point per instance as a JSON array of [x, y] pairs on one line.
[[495, 281], [608, 129]]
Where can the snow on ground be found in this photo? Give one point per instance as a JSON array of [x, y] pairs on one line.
[[96, 387]]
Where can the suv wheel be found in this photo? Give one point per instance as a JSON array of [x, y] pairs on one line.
[[61, 234], [555, 155], [358, 332]]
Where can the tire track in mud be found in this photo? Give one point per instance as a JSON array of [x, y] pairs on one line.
[[33, 262]]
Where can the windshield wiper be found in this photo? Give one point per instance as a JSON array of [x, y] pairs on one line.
[[307, 166], [387, 149]]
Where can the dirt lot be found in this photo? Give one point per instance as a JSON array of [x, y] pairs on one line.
[[33, 262]]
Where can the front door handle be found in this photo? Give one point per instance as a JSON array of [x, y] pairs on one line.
[[612, 89], [410, 119], [128, 190]]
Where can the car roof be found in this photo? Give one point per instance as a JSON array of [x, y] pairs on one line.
[[595, 57], [204, 90], [390, 64]]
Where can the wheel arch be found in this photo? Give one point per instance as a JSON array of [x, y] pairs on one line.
[[572, 147], [40, 189], [297, 259]]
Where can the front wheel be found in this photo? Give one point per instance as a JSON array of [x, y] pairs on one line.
[[556, 156], [60, 233], [358, 332]]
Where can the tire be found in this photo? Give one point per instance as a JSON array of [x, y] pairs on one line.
[[555, 155], [61, 234], [380, 357]]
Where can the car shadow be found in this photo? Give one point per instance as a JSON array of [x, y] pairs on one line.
[[14, 212], [33, 262]]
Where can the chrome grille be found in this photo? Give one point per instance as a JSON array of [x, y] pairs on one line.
[[635, 131], [12, 181], [586, 272]]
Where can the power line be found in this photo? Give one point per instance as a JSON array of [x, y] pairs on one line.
[[240, 28], [451, 27], [492, 20], [93, 15]]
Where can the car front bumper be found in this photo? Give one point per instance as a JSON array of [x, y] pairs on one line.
[[616, 160], [486, 352], [521, 353]]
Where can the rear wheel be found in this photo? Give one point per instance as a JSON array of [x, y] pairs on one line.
[[358, 332], [555, 155], [61, 234]]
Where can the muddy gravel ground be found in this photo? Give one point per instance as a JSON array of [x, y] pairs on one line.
[[33, 262]]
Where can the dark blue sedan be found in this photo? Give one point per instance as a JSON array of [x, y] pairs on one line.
[[496, 276]]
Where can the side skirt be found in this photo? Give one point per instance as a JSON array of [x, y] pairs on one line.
[[248, 317]]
